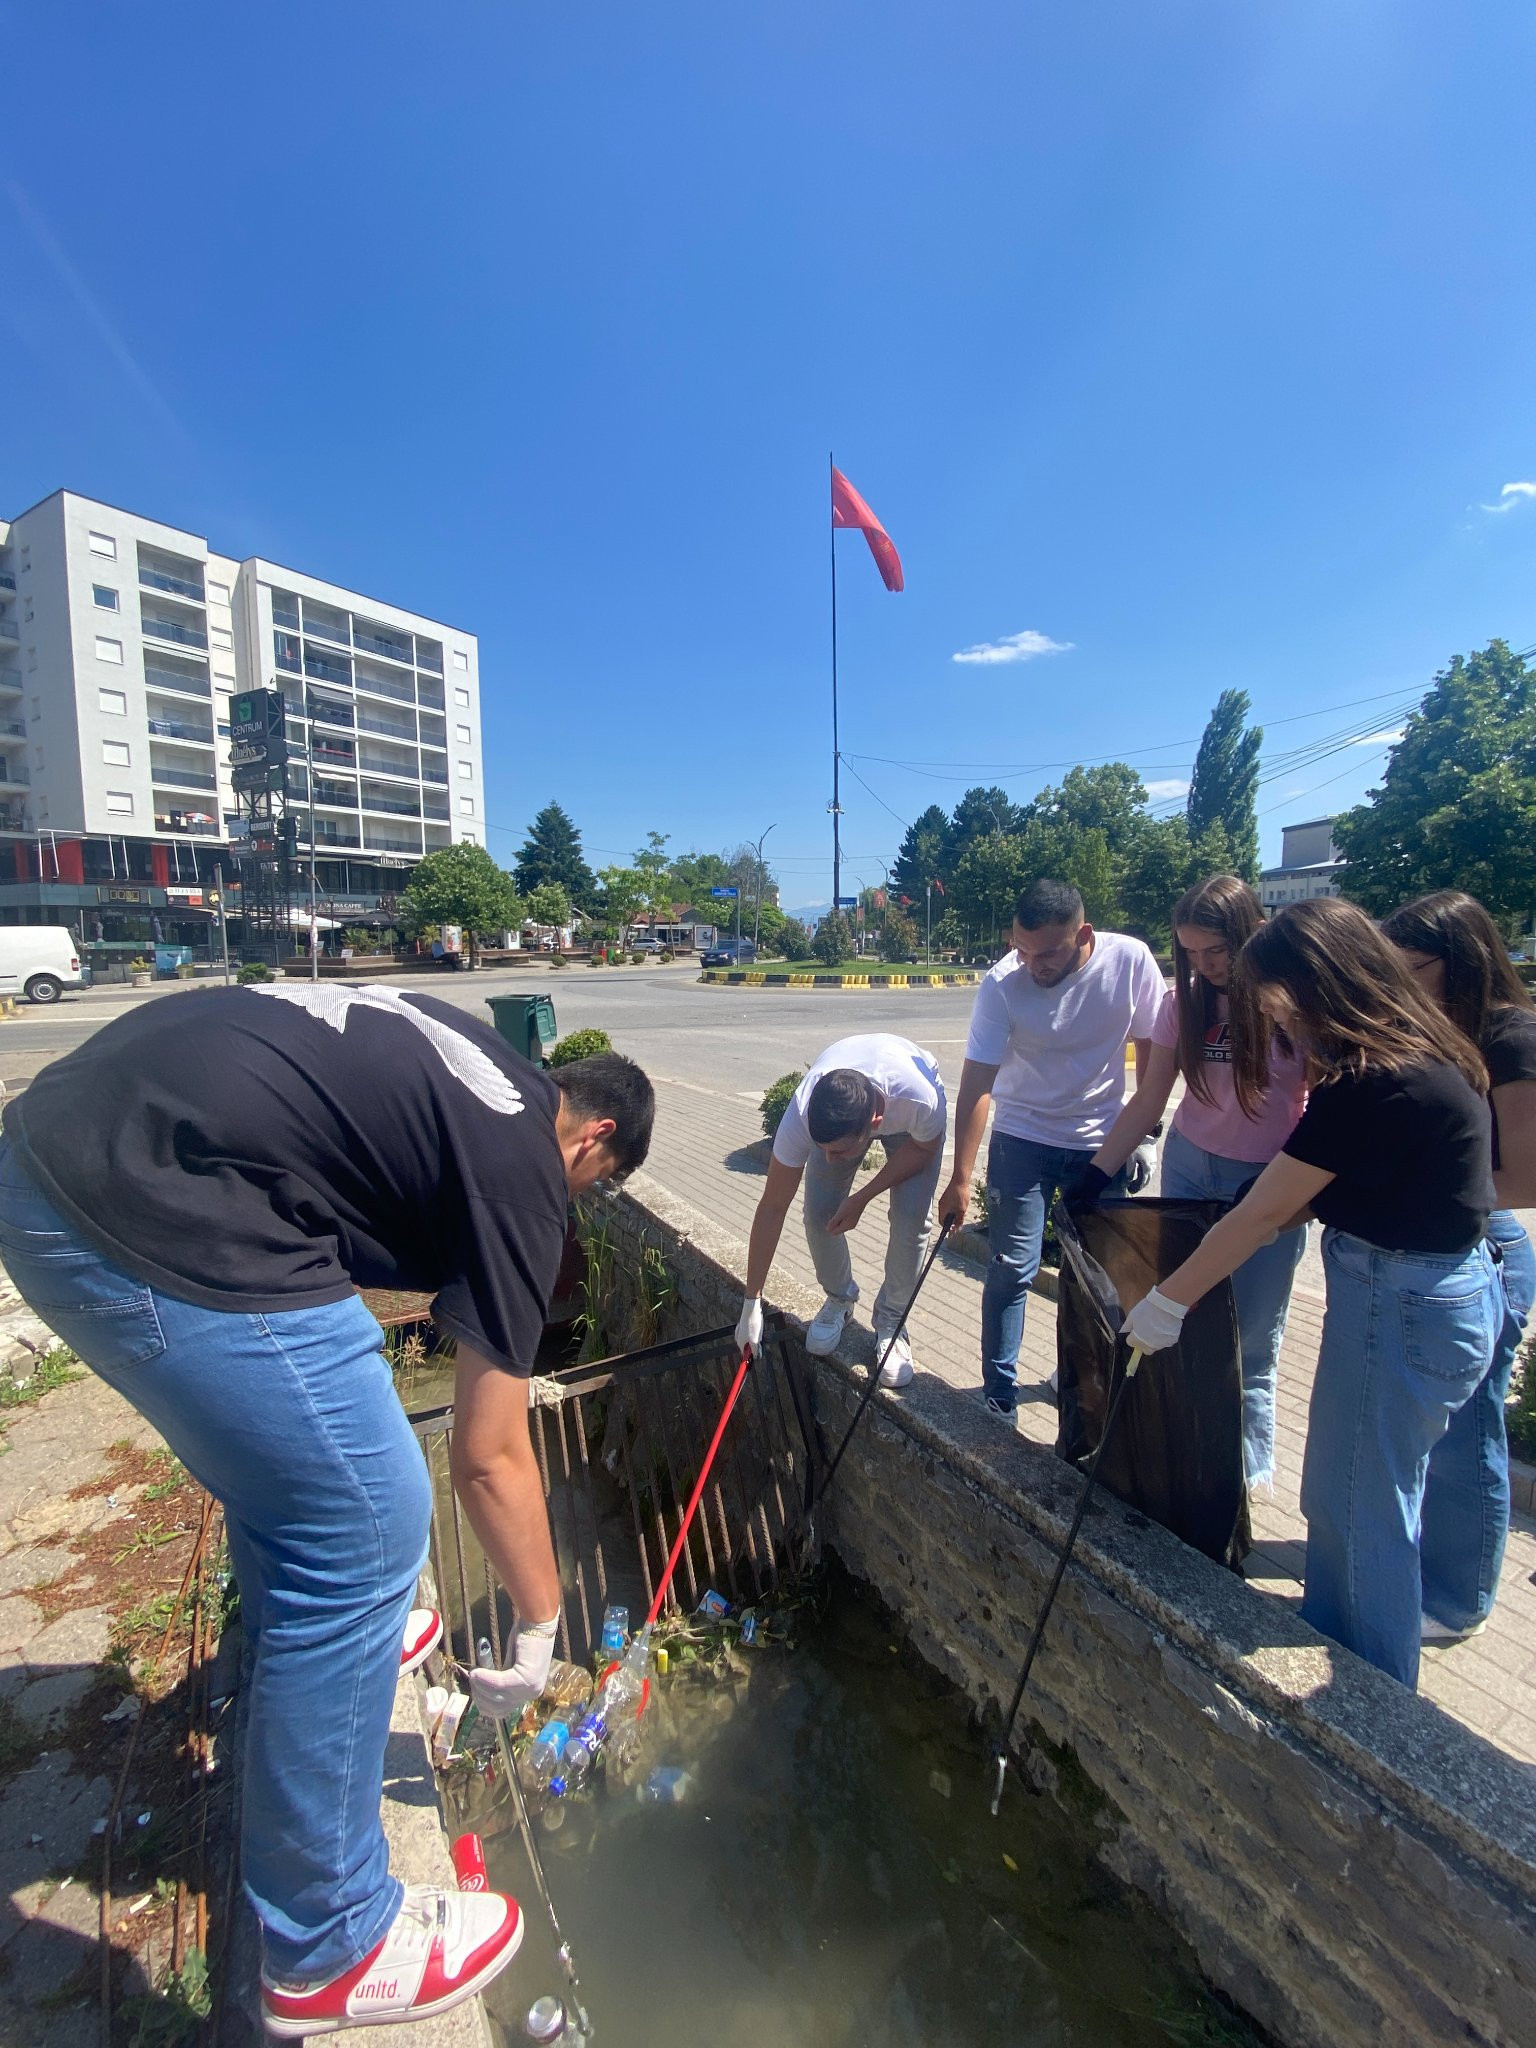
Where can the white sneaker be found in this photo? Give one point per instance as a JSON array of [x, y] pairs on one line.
[[1051, 1386], [897, 1369], [441, 1948], [821, 1338], [423, 1633], [1432, 1631]]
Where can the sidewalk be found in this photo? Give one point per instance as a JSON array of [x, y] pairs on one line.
[[706, 1150]]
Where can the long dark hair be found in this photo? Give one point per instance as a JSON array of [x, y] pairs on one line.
[[1226, 905], [1454, 928], [1358, 1006]]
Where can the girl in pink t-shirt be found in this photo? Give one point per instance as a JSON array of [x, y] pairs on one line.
[[1244, 1091]]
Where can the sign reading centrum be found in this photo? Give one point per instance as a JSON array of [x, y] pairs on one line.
[[258, 740]]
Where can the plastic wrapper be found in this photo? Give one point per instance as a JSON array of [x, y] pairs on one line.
[[1176, 1453]]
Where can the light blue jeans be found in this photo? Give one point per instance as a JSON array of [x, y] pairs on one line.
[[292, 1422], [827, 1184], [1023, 1179], [1407, 1339], [1466, 1497], [1261, 1290]]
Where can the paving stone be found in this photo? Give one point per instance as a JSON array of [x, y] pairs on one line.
[[20, 1620], [79, 1637]]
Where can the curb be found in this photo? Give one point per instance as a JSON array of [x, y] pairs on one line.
[[748, 978]]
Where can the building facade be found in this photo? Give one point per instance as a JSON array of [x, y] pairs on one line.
[[122, 641], [1309, 865]]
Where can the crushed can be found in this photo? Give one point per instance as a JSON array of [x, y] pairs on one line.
[[715, 1605]]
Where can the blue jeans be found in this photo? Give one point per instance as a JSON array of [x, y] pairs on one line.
[[1261, 1290], [1407, 1339], [1023, 1179], [1466, 1498], [291, 1421]]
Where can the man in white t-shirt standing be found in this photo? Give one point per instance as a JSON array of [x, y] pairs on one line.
[[864, 1088], [1047, 1052]]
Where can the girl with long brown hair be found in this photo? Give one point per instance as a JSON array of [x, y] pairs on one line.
[[1454, 951], [1392, 1154], [1244, 1089]]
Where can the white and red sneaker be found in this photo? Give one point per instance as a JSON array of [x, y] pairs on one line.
[[442, 1948], [423, 1633]]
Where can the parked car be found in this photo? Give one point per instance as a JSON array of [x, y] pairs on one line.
[[40, 962], [645, 945], [730, 953]]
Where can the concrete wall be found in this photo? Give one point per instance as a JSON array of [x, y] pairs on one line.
[[1351, 1865]]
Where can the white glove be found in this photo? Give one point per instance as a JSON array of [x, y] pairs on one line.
[[502, 1695], [1140, 1167], [1154, 1323], [749, 1330]]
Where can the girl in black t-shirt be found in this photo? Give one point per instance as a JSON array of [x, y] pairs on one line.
[[1392, 1154], [1454, 951]]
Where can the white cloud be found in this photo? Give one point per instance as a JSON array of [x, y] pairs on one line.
[[1511, 496], [1379, 739], [1167, 790], [1018, 646]]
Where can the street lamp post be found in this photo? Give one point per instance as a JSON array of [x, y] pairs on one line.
[[757, 888]]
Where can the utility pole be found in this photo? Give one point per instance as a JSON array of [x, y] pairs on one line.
[[928, 887], [218, 884], [757, 888], [835, 807], [314, 922]]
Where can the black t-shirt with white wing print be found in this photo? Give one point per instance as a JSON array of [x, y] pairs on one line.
[[263, 1149]]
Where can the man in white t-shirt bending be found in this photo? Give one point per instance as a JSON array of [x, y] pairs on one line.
[[1047, 1051], [874, 1086]]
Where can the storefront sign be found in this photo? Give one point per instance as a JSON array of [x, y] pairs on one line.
[[192, 897], [121, 896]]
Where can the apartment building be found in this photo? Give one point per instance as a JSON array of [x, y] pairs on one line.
[[122, 640], [1309, 865]]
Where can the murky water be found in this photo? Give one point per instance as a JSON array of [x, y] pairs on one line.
[[832, 1879]]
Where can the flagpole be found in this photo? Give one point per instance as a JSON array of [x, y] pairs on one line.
[[837, 849]]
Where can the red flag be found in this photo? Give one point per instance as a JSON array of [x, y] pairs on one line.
[[940, 887], [849, 509]]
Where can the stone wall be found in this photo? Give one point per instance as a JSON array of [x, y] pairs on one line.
[[1350, 1864]]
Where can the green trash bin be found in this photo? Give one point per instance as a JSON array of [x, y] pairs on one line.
[[527, 1023]]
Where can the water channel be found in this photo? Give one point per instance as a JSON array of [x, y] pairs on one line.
[[831, 1877]]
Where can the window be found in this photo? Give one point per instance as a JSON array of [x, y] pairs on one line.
[[461, 734], [460, 658], [469, 839], [104, 545], [104, 597], [120, 803], [461, 698], [466, 807], [109, 650], [218, 593], [466, 771], [220, 636], [113, 702], [116, 754]]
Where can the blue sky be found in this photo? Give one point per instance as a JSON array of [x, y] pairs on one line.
[[1194, 338]]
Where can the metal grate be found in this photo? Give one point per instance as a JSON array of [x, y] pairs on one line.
[[619, 1444]]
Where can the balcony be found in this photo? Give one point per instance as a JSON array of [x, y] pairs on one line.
[[386, 842], [169, 775], [434, 768], [381, 764], [398, 687], [430, 694], [158, 627], [433, 732], [10, 679], [174, 729], [333, 757], [10, 630], [338, 796], [15, 775], [13, 728], [328, 835], [187, 824], [326, 629], [285, 612], [7, 580], [399, 807], [327, 671], [186, 681], [434, 806], [178, 586], [286, 649], [365, 642], [369, 720], [429, 656], [329, 711]]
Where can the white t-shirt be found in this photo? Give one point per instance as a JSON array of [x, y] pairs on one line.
[[1060, 1052], [906, 1076]]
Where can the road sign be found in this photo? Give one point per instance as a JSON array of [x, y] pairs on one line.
[[725, 892], [846, 902]]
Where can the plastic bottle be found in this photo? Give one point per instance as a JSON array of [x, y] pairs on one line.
[[542, 1758], [615, 1630], [619, 1699]]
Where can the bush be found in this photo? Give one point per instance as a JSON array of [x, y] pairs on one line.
[[666, 956], [597, 957], [834, 939], [898, 937], [557, 959], [637, 959], [776, 1101], [185, 971], [577, 1045], [255, 970]]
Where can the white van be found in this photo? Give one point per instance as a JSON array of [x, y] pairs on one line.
[[39, 961]]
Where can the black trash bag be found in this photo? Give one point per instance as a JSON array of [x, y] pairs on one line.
[[1177, 1449]]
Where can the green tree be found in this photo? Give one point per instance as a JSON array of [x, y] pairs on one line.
[[980, 814], [987, 879], [922, 856], [794, 941], [462, 885], [552, 853], [899, 939], [695, 874], [776, 933], [1109, 798], [1225, 784], [1457, 804], [548, 905], [655, 873], [833, 942], [624, 892]]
